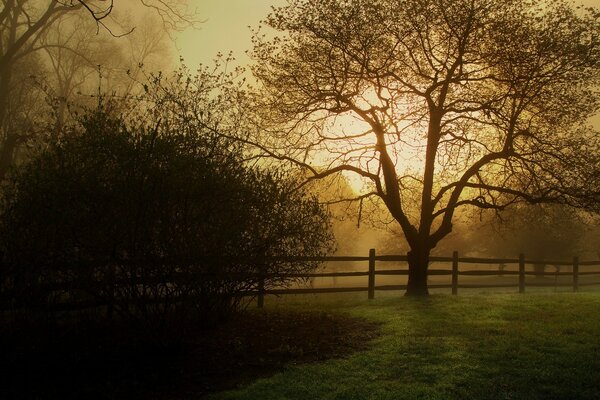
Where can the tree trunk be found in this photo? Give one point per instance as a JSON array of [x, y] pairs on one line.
[[418, 263]]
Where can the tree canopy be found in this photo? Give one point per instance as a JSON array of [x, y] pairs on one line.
[[437, 104]]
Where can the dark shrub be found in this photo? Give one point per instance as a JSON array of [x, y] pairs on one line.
[[151, 221]]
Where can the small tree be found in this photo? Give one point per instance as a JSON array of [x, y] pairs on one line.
[[435, 104], [152, 220]]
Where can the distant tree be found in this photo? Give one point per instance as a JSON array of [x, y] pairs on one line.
[[543, 233], [24, 28], [83, 64], [437, 104]]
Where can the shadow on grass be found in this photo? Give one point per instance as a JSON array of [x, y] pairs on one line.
[[115, 362]]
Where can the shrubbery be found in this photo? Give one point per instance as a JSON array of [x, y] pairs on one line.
[[158, 223]]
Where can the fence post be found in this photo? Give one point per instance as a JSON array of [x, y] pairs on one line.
[[261, 285], [455, 272], [575, 274], [371, 274], [521, 273]]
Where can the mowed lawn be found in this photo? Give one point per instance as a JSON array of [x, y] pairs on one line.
[[471, 346]]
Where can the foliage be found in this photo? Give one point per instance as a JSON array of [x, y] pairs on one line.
[[153, 219], [439, 105]]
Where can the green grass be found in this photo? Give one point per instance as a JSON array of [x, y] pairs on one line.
[[473, 346]]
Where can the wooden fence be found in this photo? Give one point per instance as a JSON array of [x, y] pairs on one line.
[[577, 269], [454, 272]]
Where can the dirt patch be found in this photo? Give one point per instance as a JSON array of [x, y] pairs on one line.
[[101, 364]]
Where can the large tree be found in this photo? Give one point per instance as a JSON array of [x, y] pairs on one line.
[[435, 104]]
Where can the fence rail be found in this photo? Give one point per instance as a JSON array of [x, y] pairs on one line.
[[371, 272], [454, 272]]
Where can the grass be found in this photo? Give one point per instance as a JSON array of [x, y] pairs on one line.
[[472, 346]]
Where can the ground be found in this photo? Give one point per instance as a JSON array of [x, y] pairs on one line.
[[97, 363], [539, 345]]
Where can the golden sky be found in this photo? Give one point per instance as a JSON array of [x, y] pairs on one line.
[[226, 28]]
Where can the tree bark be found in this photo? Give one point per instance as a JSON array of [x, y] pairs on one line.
[[418, 264]]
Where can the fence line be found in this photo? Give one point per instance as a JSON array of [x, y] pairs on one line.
[[371, 273], [454, 271]]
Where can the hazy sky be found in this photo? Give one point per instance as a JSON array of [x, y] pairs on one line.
[[226, 29]]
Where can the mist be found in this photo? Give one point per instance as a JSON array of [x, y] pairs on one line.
[[299, 199]]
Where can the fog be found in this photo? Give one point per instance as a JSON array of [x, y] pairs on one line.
[[195, 194], [540, 232], [77, 61]]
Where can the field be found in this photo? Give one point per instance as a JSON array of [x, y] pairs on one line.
[[474, 346], [477, 345]]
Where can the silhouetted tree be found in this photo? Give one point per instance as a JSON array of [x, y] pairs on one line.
[[436, 104]]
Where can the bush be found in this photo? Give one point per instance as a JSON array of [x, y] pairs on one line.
[[154, 222]]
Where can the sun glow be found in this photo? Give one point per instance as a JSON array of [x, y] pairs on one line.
[[347, 138]]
